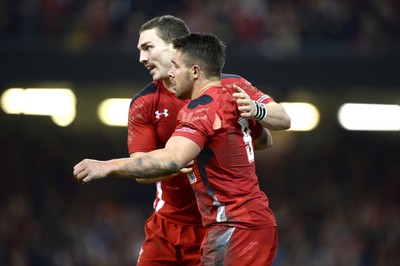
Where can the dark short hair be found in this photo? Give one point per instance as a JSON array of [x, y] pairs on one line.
[[168, 27], [203, 49]]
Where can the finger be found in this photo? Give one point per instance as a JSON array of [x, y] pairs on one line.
[[242, 96], [79, 167], [76, 172], [239, 95], [186, 170], [246, 114], [238, 89], [76, 166], [236, 94], [86, 180], [81, 175], [244, 108], [243, 102]]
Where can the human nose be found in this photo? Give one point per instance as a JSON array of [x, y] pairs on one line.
[[170, 72], [143, 57]]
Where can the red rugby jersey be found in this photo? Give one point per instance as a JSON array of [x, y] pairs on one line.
[[224, 178], [152, 120]]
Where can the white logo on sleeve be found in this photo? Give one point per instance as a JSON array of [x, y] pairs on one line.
[[159, 114]]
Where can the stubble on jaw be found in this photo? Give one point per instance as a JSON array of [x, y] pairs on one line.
[[186, 89]]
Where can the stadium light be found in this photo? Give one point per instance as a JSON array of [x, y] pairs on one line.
[[304, 116], [114, 111], [58, 103], [372, 117]]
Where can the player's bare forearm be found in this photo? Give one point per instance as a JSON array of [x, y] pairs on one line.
[[184, 171], [142, 166], [177, 154], [149, 180], [277, 118], [151, 165]]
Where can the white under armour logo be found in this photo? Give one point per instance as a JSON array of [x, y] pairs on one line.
[[158, 113]]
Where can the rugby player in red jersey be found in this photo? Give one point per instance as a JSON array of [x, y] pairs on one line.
[[152, 119], [211, 130]]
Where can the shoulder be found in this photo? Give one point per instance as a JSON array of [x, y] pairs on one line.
[[199, 110], [148, 92], [232, 76], [233, 79], [228, 80], [213, 101], [205, 99]]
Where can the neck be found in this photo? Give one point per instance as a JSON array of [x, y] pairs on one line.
[[203, 86]]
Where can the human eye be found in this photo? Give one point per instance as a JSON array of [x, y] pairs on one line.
[[146, 47]]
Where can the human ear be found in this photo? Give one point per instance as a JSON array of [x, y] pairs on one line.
[[196, 71]]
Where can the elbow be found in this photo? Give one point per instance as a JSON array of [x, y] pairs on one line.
[[270, 142], [288, 123], [262, 146], [264, 142]]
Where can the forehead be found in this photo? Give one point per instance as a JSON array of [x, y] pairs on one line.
[[176, 56], [149, 37]]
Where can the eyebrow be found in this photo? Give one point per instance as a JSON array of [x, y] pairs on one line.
[[143, 44]]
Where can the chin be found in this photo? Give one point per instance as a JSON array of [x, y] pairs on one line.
[[182, 96]]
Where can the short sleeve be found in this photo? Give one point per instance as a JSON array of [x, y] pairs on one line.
[[142, 136]]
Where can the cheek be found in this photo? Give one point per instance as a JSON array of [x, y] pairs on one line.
[[165, 57], [151, 54], [182, 77], [156, 56], [178, 75]]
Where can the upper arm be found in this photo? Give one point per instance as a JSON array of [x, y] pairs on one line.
[[142, 138], [142, 135]]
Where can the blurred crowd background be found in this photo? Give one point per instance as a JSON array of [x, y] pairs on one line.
[[336, 193], [280, 28]]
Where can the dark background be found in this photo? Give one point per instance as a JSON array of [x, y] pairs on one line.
[[335, 193]]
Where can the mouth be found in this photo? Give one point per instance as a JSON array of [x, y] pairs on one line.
[[150, 68]]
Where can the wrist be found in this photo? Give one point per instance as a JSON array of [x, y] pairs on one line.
[[261, 111]]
